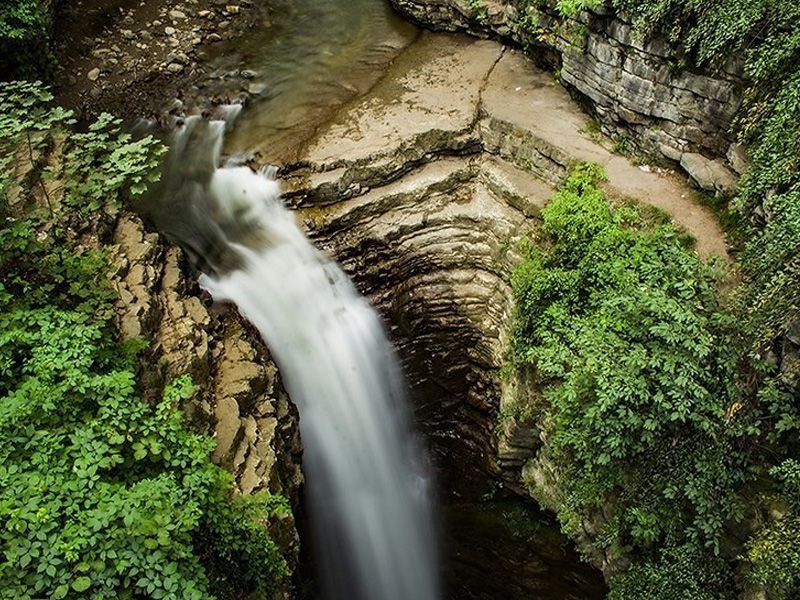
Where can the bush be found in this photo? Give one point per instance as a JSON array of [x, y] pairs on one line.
[[624, 329], [775, 550], [101, 494], [24, 40]]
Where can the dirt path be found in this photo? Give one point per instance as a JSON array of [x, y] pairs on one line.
[[532, 100]]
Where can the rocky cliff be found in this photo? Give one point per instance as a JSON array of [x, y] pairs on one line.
[[636, 89], [424, 190]]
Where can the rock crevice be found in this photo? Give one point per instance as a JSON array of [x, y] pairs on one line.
[[633, 87]]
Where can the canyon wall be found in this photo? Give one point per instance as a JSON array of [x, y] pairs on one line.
[[426, 190], [636, 89]]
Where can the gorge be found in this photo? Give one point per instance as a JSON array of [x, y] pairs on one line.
[[422, 163]]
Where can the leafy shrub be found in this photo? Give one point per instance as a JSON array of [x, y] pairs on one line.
[[101, 165], [681, 573], [101, 494], [105, 161], [706, 35], [638, 363], [775, 550], [24, 39]]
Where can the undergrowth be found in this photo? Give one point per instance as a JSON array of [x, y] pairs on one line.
[[651, 413], [102, 494], [24, 39]]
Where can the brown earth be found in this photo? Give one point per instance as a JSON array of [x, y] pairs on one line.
[[140, 59]]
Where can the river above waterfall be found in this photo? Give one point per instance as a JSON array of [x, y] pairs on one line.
[[305, 61]]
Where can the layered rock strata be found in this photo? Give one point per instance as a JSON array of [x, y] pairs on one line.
[[634, 87], [424, 190], [240, 400]]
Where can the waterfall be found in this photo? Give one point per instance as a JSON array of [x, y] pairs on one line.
[[367, 487]]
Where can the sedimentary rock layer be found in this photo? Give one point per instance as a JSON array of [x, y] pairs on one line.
[[634, 87]]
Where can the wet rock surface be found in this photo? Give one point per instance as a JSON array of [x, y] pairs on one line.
[[630, 85], [423, 190], [239, 400]]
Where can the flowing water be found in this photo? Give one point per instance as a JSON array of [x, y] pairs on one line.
[[307, 59], [366, 481], [366, 478]]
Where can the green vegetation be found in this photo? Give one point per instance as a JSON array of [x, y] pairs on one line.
[[24, 39], [775, 551], [705, 35], [649, 410], [100, 165], [102, 494], [479, 10], [767, 33]]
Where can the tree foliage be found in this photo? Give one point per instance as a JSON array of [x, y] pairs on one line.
[[102, 495], [775, 551], [24, 39], [646, 411]]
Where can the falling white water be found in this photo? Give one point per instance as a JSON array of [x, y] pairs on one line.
[[368, 490]]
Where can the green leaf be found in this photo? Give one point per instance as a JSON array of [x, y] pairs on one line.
[[81, 584]]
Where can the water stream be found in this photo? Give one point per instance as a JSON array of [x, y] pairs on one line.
[[367, 481], [308, 59]]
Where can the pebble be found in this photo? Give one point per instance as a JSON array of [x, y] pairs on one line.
[[146, 36], [177, 15], [127, 34], [93, 74], [156, 23], [247, 74], [174, 68], [233, 9], [178, 57], [214, 37], [257, 88], [169, 30]]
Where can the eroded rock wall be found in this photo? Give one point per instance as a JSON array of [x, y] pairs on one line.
[[239, 397], [635, 88]]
